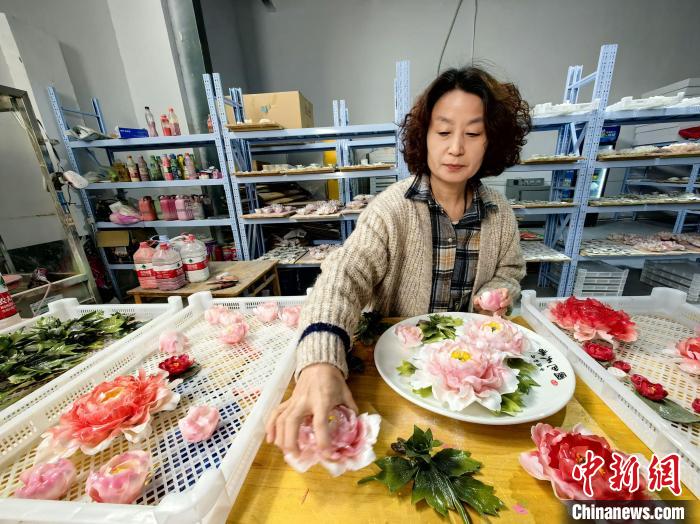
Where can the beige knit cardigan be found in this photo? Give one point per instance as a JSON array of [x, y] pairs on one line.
[[387, 263]]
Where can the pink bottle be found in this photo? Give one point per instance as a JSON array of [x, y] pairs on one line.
[[183, 205], [147, 209], [167, 266], [167, 206], [174, 122], [143, 260], [167, 130]]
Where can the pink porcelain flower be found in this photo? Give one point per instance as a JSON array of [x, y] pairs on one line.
[[290, 316], [410, 336], [493, 299], [199, 423], [558, 452], [173, 342], [234, 333], [689, 351], [121, 480], [231, 317], [267, 312], [47, 480], [121, 406], [213, 314], [461, 373], [352, 442], [496, 334]]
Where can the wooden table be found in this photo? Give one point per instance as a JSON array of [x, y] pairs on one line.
[[273, 492], [253, 277]]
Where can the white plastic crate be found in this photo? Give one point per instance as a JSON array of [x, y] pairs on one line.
[[678, 274], [191, 483], [69, 308], [662, 319], [598, 278], [654, 279]]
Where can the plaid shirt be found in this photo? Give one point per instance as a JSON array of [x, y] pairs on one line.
[[455, 247]]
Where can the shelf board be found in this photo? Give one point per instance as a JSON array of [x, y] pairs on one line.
[[121, 266], [649, 162], [561, 210], [156, 142], [312, 134], [553, 123], [681, 206], [155, 183], [289, 220], [168, 223], [650, 183], [338, 175], [550, 166], [648, 116]]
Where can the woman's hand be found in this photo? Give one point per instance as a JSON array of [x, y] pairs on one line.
[[320, 388], [492, 301]]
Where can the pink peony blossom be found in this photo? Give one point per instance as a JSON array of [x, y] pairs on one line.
[[496, 334], [493, 299], [290, 316], [558, 452], [352, 440], [234, 333], [123, 405], [461, 373], [121, 480], [410, 336], [231, 317], [173, 342], [199, 423], [267, 312], [47, 480], [213, 314], [689, 351]]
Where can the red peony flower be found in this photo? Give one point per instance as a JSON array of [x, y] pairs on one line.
[[648, 389], [621, 364], [599, 352], [557, 453], [590, 319], [176, 365], [696, 405]]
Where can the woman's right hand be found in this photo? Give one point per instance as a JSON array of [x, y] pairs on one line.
[[320, 388]]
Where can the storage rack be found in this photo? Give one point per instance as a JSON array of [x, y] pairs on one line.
[[111, 146]]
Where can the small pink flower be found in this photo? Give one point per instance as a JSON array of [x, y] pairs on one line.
[[493, 299], [47, 480], [267, 312], [496, 334], [199, 423], [173, 342], [234, 333], [290, 316], [121, 480], [213, 314], [231, 317], [689, 351], [410, 336], [352, 443]]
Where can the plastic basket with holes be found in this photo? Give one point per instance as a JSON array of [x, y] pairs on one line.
[[662, 319], [69, 308], [191, 482]]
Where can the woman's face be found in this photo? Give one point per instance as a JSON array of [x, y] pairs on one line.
[[456, 137]]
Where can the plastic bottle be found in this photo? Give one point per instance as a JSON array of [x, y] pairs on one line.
[[167, 207], [181, 165], [150, 123], [143, 260], [210, 124], [165, 167], [183, 205], [122, 171], [195, 259], [167, 131], [167, 266], [198, 207], [143, 170], [147, 209], [174, 169], [154, 169], [133, 170], [189, 167], [174, 122], [8, 310]]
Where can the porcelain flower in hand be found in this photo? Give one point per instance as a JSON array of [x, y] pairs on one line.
[[461, 373], [267, 312], [352, 442], [689, 351], [121, 480], [290, 316], [234, 333], [199, 423], [494, 299], [410, 336], [173, 342], [47, 480], [496, 334]]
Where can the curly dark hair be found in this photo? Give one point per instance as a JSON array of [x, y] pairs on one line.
[[506, 118]]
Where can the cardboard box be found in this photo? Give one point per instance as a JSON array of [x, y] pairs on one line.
[[288, 108]]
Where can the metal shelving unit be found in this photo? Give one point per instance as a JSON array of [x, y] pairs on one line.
[[111, 146]]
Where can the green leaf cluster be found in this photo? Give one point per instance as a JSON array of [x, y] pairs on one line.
[[370, 327], [512, 403], [439, 327]]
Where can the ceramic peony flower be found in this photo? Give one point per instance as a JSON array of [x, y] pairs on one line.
[[234, 333], [290, 316], [410, 336], [696, 405], [121, 480], [352, 440], [199, 423], [621, 364], [47, 480], [231, 317], [493, 299], [121, 406], [213, 314], [461, 373], [590, 319], [689, 351], [496, 334], [176, 365], [599, 352], [267, 312], [648, 389], [173, 342], [558, 451]]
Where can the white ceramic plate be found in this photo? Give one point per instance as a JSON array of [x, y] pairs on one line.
[[553, 393]]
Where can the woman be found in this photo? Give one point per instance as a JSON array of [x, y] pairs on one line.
[[432, 242]]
